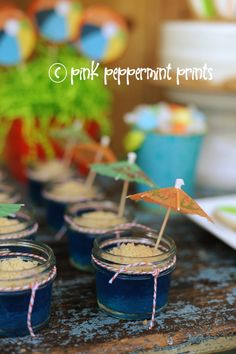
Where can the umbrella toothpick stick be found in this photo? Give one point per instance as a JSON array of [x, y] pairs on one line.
[[178, 184], [68, 154], [131, 159], [162, 228], [105, 142], [67, 158]]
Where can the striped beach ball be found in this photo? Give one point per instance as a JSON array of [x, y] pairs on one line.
[[57, 21], [17, 36], [103, 34]]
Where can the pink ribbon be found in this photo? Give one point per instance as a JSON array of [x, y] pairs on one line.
[[122, 227], [155, 274]]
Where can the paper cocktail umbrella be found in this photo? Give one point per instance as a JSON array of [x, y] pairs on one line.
[[8, 209], [73, 131], [17, 36], [173, 198], [127, 171], [101, 153], [58, 21], [85, 153], [103, 34], [71, 135]]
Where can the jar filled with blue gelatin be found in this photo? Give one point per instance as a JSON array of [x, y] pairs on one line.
[[27, 272], [87, 221], [44, 172], [126, 268], [60, 195], [18, 226]]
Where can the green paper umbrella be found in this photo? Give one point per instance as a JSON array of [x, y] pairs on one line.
[[8, 209], [127, 171], [123, 170], [75, 131], [72, 135]]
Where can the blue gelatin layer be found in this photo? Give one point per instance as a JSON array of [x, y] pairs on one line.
[[55, 214], [35, 192], [131, 296], [80, 248], [81, 245], [14, 309]]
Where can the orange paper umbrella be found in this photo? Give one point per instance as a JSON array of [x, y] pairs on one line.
[[85, 153], [173, 198], [92, 152]]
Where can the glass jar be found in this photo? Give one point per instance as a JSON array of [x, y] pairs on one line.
[[49, 171], [131, 294], [18, 226], [8, 194], [81, 237], [16, 288], [56, 204]]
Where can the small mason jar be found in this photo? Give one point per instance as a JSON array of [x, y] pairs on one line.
[[44, 172], [18, 226], [58, 197], [20, 312], [8, 194], [125, 285], [81, 234]]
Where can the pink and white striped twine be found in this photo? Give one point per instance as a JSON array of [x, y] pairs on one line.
[[34, 287], [22, 234], [126, 269], [122, 227]]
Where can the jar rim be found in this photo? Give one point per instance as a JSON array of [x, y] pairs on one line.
[[13, 195], [31, 173], [31, 245], [146, 237], [103, 205], [47, 193], [27, 219]]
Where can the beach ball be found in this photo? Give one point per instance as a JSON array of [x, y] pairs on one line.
[[17, 36], [58, 21], [103, 34]]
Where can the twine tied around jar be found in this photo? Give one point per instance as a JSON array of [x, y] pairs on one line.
[[33, 286], [126, 269], [22, 234], [154, 273]]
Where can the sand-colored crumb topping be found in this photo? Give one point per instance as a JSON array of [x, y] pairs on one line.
[[99, 219], [130, 253], [14, 265], [4, 197], [50, 171], [12, 272], [10, 226], [73, 190]]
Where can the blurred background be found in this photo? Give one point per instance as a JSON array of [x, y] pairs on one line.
[[197, 140]]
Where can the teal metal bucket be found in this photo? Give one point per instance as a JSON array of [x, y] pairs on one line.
[[167, 157]]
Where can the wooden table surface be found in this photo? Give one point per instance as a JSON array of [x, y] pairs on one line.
[[200, 317]]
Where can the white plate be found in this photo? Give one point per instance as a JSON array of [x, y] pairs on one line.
[[221, 231]]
